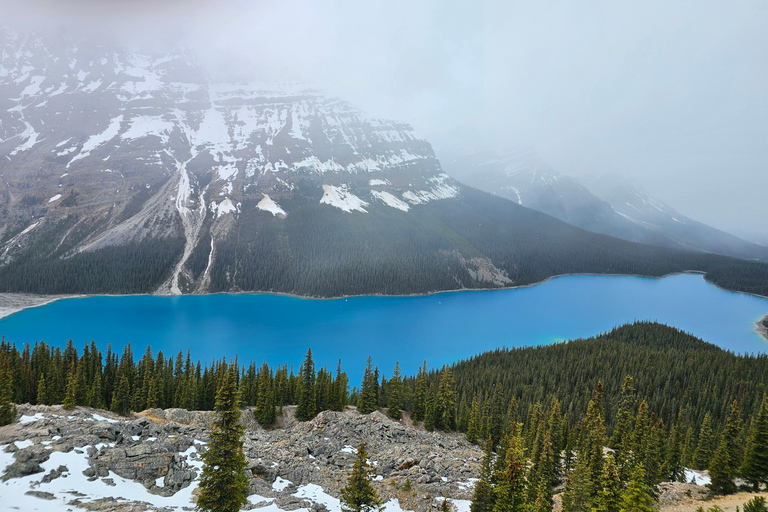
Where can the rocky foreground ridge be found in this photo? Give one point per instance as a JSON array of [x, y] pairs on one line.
[[54, 459]]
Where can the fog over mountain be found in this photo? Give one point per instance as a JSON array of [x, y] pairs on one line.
[[668, 94]]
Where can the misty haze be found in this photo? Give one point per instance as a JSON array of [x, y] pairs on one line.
[[401, 256]]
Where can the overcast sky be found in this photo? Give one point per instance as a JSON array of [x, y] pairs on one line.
[[671, 94]]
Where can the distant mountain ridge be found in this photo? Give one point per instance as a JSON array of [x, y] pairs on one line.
[[126, 172], [605, 204]]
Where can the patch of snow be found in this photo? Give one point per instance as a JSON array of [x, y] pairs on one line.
[[342, 198], [393, 505], [280, 484], [97, 140], [226, 206], [26, 443], [98, 417], [348, 449], [390, 200], [269, 205], [255, 499], [315, 493], [145, 126], [55, 198], [37, 416], [374, 183], [27, 230], [63, 142], [696, 477], [34, 87]]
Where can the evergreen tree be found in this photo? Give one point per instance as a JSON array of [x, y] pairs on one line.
[[638, 497], [70, 399], [510, 490], [755, 467], [542, 476], [703, 453], [359, 495], [496, 415], [721, 471], [395, 402], [445, 418], [340, 385], [306, 409], [265, 401], [7, 408], [369, 397], [420, 395], [223, 484], [483, 498], [42, 391], [756, 504], [121, 398], [473, 430], [430, 410], [609, 498]]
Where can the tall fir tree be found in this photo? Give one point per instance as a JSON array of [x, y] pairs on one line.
[[510, 489], [638, 496], [609, 498], [7, 408], [223, 484], [369, 396], [755, 466], [420, 395], [264, 413], [703, 453], [395, 402], [306, 408], [721, 471], [483, 498], [359, 495], [445, 418], [473, 430]]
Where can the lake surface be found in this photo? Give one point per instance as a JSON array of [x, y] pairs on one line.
[[438, 328]]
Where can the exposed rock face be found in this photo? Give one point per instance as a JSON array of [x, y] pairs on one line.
[[286, 466]]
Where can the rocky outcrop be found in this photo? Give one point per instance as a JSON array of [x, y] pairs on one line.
[[161, 449]]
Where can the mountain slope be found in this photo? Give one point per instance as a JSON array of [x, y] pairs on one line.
[[605, 204], [133, 173]]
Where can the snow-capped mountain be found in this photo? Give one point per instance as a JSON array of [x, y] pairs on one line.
[[127, 172], [604, 204]]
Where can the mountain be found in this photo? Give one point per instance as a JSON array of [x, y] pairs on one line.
[[128, 172], [605, 204]]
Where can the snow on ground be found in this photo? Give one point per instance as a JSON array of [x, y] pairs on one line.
[[440, 190], [144, 126], [29, 228], [348, 449], [226, 206], [280, 484], [97, 140], [375, 182], [390, 200], [269, 205], [30, 419], [696, 477], [55, 198], [342, 198], [99, 417], [315, 493]]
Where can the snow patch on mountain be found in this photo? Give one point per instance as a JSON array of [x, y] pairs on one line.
[[390, 200], [97, 140], [342, 198], [269, 205]]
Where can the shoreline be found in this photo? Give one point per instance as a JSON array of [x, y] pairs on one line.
[[762, 327], [11, 303]]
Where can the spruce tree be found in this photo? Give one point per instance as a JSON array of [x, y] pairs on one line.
[[223, 484], [430, 410], [510, 490], [265, 400], [7, 408], [703, 453], [638, 496], [369, 396], [395, 394], [483, 499], [359, 495], [307, 407], [721, 471], [121, 398], [42, 391], [70, 399], [473, 430], [609, 498], [420, 395], [445, 415], [496, 415], [755, 467]]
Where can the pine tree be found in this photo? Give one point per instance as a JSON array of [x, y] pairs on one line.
[[510, 490], [609, 499], [340, 385], [755, 467], [265, 401], [473, 430], [542, 476], [7, 408], [430, 410], [307, 407], [638, 497], [446, 401], [395, 394], [721, 471], [369, 397], [703, 453], [70, 399], [420, 395], [756, 504], [359, 495], [496, 415], [42, 391], [482, 499], [121, 398], [223, 484]]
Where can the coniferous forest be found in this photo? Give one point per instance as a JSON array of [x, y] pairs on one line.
[[659, 400]]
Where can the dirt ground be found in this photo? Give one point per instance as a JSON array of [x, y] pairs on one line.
[[727, 503]]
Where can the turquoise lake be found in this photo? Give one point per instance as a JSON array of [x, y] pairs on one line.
[[440, 328]]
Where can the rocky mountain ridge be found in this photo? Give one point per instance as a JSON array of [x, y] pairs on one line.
[[604, 204], [94, 460]]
